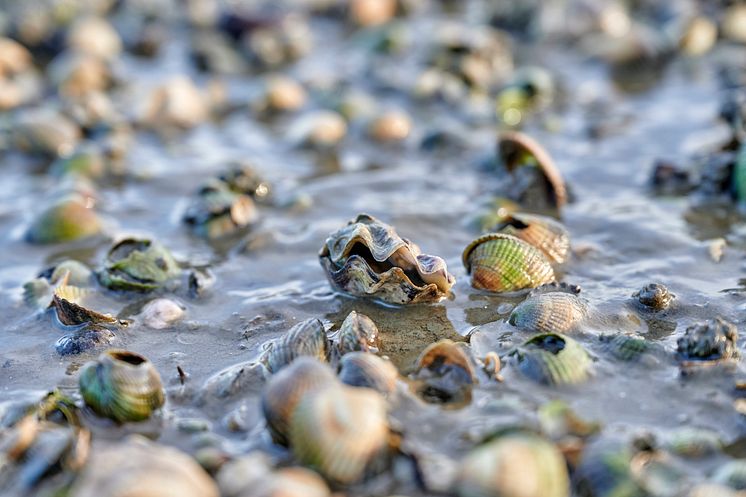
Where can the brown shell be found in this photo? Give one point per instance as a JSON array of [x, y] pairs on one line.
[[307, 338], [542, 232]]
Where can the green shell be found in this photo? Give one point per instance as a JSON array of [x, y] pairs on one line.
[[357, 333], [553, 359], [363, 369], [504, 263], [87, 163], [557, 312], [626, 347], [739, 176], [138, 265], [543, 232], [341, 432], [514, 465], [286, 388], [307, 338], [66, 220], [121, 385]]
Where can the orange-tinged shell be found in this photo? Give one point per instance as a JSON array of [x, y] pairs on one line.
[[542, 232]]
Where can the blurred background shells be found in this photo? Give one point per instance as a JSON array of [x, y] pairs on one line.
[[217, 212], [364, 369], [68, 219], [713, 340]]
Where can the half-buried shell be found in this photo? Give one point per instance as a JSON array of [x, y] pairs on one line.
[[543, 232], [445, 373], [553, 359], [307, 338], [557, 312]]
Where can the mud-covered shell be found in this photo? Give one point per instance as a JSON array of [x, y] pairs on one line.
[[286, 388], [307, 338], [503, 263], [139, 467], [67, 301], [363, 369], [367, 258], [83, 340], [553, 359], [217, 212], [341, 432], [514, 465], [654, 296], [544, 233], [357, 333], [138, 265], [121, 385], [557, 312], [713, 340], [68, 219]]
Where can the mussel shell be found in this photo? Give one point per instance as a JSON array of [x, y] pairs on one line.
[[557, 312], [514, 465], [553, 359], [446, 372], [542, 232], [307, 338], [286, 388], [341, 432], [357, 333], [363, 369], [504, 263], [66, 220], [138, 265], [121, 385], [83, 340]]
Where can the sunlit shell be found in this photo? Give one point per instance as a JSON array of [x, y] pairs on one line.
[[161, 313], [542, 232], [307, 338], [287, 387], [367, 258], [341, 432], [369, 13], [138, 265], [121, 385], [504, 263], [363, 369], [76, 75], [391, 127], [517, 150], [68, 219], [654, 296], [284, 94], [552, 359], [514, 465], [693, 442], [83, 340], [217, 212], [446, 372], [708, 342], [291, 482], [177, 103], [557, 312], [358, 332], [138, 467], [14, 58], [68, 301]]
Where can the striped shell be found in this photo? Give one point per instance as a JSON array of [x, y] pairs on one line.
[[543, 232], [504, 263], [363, 369], [341, 432], [307, 338], [357, 333], [121, 385], [557, 312], [553, 359], [367, 258], [626, 347], [514, 465], [286, 388], [445, 372]]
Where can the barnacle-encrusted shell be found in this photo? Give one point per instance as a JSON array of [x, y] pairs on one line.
[[307, 338], [138, 467], [714, 340], [341, 432], [542, 232], [286, 388], [68, 219], [557, 312], [363, 369], [367, 258], [654, 296], [217, 212], [121, 385], [604, 471], [138, 265], [358, 332], [83, 340], [514, 465], [503, 263], [553, 359], [446, 372]]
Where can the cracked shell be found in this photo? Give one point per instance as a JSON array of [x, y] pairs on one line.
[[557, 312], [138, 265], [553, 359]]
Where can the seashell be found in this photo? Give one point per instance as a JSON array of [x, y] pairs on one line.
[[445, 372], [514, 465], [693, 442], [161, 313], [552, 359], [290, 482], [357, 333], [74, 272], [341, 432], [45, 455], [177, 103], [367, 258], [279, 42], [363, 369], [604, 471], [67, 302], [542, 232], [218, 212], [713, 490], [45, 133], [76, 75], [319, 130], [654, 296], [558, 420], [734, 19], [627, 347], [137, 466], [94, 36], [138, 265], [121, 385], [391, 127], [531, 89], [14, 58], [89, 163], [242, 178], [367, 13], [307, 338], [557, 312], [504, 263], [70, 218], [519, 152], [708, 343], [699, 36], [286, 388], [658, 475], [83, 340], [731, 474], [493, 213], [283, 94]]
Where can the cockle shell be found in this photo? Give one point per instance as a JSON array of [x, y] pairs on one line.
[[514, 465], [364, 369], [286, 388], [307, 338], [627, 347], [138, 265], [341, 432], [121, 385], [553, 359], [504, 263], [543, 232], [557, 312], [367, 258], [161, 313], [357, 332]]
